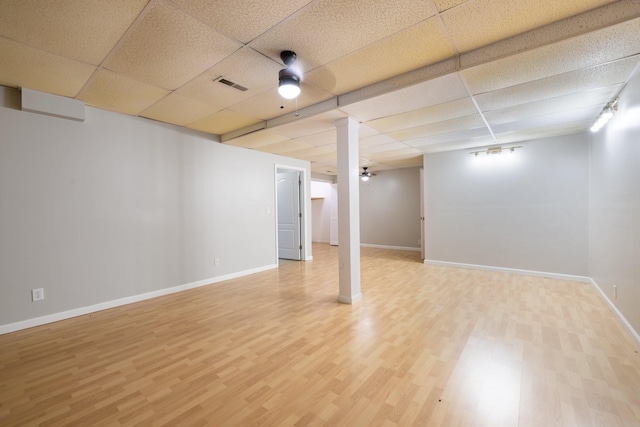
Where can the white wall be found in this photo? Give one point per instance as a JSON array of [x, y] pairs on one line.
[[390, 209], [320, 211], [120, 206], [525, 211], [614, 205]]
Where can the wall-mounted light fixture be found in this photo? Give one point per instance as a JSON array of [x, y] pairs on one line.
[[496, 149], [605, 115]]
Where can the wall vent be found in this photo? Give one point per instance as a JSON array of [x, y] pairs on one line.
[[231, 84]]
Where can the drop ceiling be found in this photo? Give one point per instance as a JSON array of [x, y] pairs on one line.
[[419, 75]]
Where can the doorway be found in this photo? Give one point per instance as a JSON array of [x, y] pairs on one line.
[[289, 214]]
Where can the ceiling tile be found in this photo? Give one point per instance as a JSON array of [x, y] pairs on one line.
[[326, 30], [308, 153], [23, 66], [256, 16], [588, 50], [284, 147], [436, 91], [380, 148], [574, 101], [371, 141], [459, 135], [223, 122], [322, 138], [311, 125], [563, 84], [423, 44], [586, 115], [393, 154], [468, 122], [447, 4], [84, 30], [413, 161], [424, 116], [257, 139], [267, 105], [458, 144], [114, 92], [500, 19], [542, 132], [245, 67], [178, 110], [168, 48]]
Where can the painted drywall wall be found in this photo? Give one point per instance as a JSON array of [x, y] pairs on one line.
[[523, 211], [390, 209], [119, 206], [320, 210], [614, 206]]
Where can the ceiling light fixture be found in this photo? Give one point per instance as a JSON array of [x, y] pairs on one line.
[[365, 175], [289, 86], [605, 115], [496, 150]]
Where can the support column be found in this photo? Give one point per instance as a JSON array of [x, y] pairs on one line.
[[348, 211]]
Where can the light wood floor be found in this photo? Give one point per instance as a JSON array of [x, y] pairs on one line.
[[427, 346]]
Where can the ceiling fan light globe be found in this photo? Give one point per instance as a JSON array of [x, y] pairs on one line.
[[289, 90]]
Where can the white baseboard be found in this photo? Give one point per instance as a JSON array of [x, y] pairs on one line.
[[55, 317], [397, 248], [573, 278], [616, 311]]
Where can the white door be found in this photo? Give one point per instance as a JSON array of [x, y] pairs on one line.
[[333, 220], [289, 215]]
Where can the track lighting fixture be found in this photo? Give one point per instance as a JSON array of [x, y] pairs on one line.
[[605, 115], [289, 81], [496, 150]]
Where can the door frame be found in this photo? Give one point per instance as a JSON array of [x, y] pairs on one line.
[[305, 209]]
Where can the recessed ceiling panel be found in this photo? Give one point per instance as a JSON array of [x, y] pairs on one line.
[[477, 23], [564, 84], [245, 67], [223, 122], [326, 30], [436, 91], [424, 116], [23, 66], [169, 48], [178, 110], [84, 30], [588, 50], [421, 45], [468, 122], [242, 20], [114, 92]]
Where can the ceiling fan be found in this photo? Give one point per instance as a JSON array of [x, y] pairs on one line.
[[289, 79], [365, 175]]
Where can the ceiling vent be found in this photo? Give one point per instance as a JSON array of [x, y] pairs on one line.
[[231, 84]]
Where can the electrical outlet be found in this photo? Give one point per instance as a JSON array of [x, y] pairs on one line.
[[216, 261], [37, 294]]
